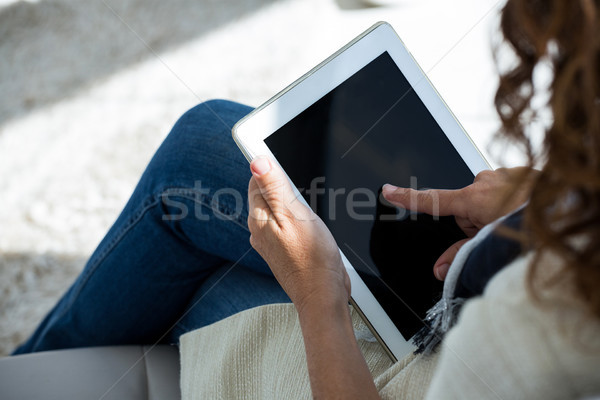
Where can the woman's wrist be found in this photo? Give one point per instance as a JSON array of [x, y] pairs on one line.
[[324, 315], [331, 302], [336, 366]]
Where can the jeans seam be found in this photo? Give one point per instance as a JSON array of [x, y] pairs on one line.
[[204, 200], [150, 202], [181, 326]]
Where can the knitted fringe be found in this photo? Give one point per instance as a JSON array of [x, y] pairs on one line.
[[440, 318], [443, 315]]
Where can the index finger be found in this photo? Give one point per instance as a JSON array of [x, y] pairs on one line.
[[437, 202]]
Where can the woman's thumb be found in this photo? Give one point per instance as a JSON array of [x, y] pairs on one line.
[[442, 265], [260, 166], [274, 186]]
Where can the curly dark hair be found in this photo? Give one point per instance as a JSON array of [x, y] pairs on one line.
[[563, 215]]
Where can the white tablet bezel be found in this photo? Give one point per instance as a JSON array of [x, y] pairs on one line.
[[250, 133]]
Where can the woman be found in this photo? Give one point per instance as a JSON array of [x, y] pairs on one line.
[[531, 329]]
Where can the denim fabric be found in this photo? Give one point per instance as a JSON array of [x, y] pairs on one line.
[[178, 257], [489, 257]]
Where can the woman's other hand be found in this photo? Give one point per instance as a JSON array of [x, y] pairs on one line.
[[491, 195], [293, 240]]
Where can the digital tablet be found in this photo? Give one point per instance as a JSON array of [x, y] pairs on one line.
[[364, 117]]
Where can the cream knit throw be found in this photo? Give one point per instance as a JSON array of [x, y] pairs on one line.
[[259, 354], [504, 346]]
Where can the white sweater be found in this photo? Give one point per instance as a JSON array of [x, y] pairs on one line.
[[504, 346]]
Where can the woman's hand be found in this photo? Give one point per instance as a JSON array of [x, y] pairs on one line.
[[306, 261], [293, 240], [491, 195]]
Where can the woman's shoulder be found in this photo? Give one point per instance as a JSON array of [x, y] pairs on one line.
[[510, 345]]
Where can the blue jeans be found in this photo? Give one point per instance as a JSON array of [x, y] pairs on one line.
[[178, 257]]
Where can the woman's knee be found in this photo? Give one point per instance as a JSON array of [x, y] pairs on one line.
[[204, 129], [213, 117], [199, 142]]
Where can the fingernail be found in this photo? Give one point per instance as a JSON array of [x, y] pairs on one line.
[[441, 271], [387, 188], [260, 166]]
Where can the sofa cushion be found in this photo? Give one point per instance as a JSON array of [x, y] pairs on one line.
[[116, 372]]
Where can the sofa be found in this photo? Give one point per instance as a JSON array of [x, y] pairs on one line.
[[115, 372]]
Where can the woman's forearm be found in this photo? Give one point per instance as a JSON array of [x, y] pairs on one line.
[[336, 366], [306, 261]]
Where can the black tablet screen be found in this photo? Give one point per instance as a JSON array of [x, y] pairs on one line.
[[371, 130]]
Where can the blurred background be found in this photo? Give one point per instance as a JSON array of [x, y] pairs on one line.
[[89, 88]]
